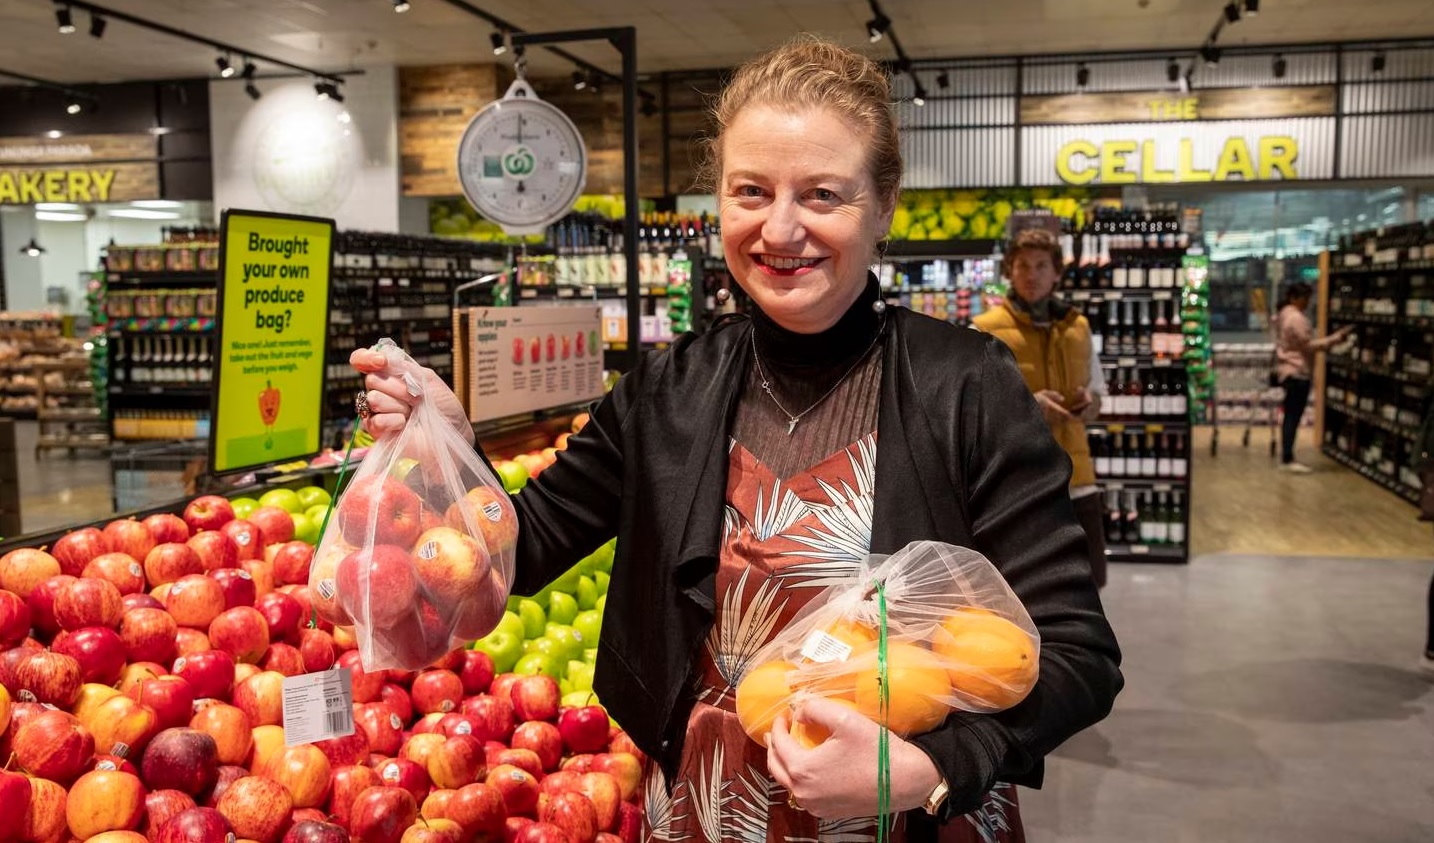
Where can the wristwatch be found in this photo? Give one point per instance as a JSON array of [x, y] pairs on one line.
[[937, 798]]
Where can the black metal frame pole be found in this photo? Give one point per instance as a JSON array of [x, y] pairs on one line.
[[624, 38]]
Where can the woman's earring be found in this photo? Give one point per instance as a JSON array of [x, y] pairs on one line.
[[878, 307], [724, 295]]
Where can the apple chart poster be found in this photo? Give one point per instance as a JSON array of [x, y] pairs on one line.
[[273, 320], [524, 359]]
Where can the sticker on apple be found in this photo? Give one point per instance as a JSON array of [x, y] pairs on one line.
[[106, 766], [428, 551], [327, 589], [446, 707], [464, 728], [493, 511], [179, 664], [242, 538], [25, 696], [120, 749], [243, 574], [396, 722], [135, 570]]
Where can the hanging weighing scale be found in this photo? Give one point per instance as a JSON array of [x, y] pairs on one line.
[[521, 161]]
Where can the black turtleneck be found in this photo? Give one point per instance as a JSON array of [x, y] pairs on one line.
[[802, 368]]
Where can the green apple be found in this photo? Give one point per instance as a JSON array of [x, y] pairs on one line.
[[601, 604], [514, 475], [534, 618], [570, 641], [244, 507], [546, 646], [285, 499], [587, 593], [579, 699], [503, 646], [534, 663], [580, 675], [604, 556], [305, 528], [567, 583], [562, 607], [316, 513], [590, 655], [588, 624], [602, 579], [312, 496], [512, 624]]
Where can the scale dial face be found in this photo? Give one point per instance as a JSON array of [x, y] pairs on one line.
[[522, 163]]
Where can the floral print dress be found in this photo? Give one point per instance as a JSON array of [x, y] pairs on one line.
[[784, 541]]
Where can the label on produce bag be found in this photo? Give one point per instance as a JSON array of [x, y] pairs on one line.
[[318, 706], [823, 648]]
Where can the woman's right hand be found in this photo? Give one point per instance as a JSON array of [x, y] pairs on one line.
[[391, 401]]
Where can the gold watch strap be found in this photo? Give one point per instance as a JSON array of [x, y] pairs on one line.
[[937, 798]]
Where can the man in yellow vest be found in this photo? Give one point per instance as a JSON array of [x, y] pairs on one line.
[[1052, 344]]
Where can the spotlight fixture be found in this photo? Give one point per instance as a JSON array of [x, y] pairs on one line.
[[1376, 63], [920, 96], [1211, 54], [252, 90], [97, 26], [579, 80], [1252, 7], [400, 6], [65, 20], [32, 249], [74, 106], [1172, 71], [594, 82], [876, 27], [649, 108], [328, 91], [499, 42], [1279, 67], [226, 69], [1232, 12], [1082, 76], [943, 80], [247, 74]]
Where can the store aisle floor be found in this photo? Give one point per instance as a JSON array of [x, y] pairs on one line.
[[1268, 699], [1243, 504], [58, 490]]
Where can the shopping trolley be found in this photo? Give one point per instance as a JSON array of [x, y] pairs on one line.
[[1243, 395]]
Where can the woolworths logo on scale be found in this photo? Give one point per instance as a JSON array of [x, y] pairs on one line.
[[516, 163]]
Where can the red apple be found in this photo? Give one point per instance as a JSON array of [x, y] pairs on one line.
[[622, 766], [536, 698], [228, 774], [437, 691], [380, 814], [189, 641], [397, 699], [148, 635], [457, 762], [140, 600], [347, 750], [618, 741], [304, 770], [195, 600], [210, 673], [487, 513], [231, 730], [573, 813], [277, 525], [577, 763], [166, 527], [584, 729], [518, 787], [454, 723], [97, 650], [261, 698], [86, 602], [75, 550], [123, 727], [48, 678], [430, 724], [239, 589], [381, 727], [366, 686], [137, 672], [605, 794], [14, 619], [15, 795], [561, 781], [406, 774], [216, 550], [541, 833], [476, 672], [42, 602], [11, 658], [53, 745], [114, 762], [241, 632], [479, 809], [119, 569], [513, 828], [524, 759], [348, 783], [503, 685], [130, 537], [629, 823], [283, 614], [23, 569], [257, 808], [543, 739], [247, 535], [195, 825], [492, 716], [160, 806], [435, 805], [323, 581], [451, 660], [434, 831], [47, 813], [292, 560], [451, 566], [387, 505], [182, 759], [208, 512], [283, 658], [167, 563], [261, 572], [315, 831], [377, 585], [317, 650], [104, 800]]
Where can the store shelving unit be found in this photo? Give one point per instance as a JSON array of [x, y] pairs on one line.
[[1377, 384], [69, 412], [28, 340], [944, 279]]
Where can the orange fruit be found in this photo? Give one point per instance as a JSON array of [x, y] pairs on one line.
[[810, 735], [828, 678], [918, 685], [762, 695], [990, 659]]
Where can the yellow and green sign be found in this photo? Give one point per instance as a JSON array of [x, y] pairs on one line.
[[273, 331]]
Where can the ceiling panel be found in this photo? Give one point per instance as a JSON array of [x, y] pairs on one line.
[[334, 35]]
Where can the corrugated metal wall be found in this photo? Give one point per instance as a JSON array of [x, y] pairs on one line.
[[959, 158], [1389, 146]]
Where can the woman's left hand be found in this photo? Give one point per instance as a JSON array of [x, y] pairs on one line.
[[837, 778]]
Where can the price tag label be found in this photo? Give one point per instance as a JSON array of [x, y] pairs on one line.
[[823, 648], [1126, 362], [528, 293], [1139, 549], [1162, 295], [1080, 296], [1161, 362], [1114, 295], [318, 706]]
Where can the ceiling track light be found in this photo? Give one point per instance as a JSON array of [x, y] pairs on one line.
[[1252, 7], [226, 69], [919, 98], [1279, 67], [1172, 71], [877, 27], [328, 91], [1376, 63], [400, 6], [65, 20], [943, 80], [74, 106], [579, 80], [252, 90], [499, 41], [97, 26], [594, 82], [247, 74], [1082, 76], [1232, 12], [1211, 54]]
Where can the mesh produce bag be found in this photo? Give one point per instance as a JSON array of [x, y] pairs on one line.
[[418, 551], [956, 637]]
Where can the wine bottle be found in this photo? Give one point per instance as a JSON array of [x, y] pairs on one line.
[[1104, 270], [1117, 456], [1142, 328], [1114, 519], [1148, 518], [1179, 466], [1162, 458], [1128, 337], [1176, 524], [1179, 399], [1132, 518], [1147, 457], [1150, 401], [1135, 390], [1120, 274], [1160, 531], [1099, 450]]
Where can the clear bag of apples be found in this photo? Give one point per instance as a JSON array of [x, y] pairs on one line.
[[957, 638], [418, 552]]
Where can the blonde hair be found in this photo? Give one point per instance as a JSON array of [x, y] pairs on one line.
[[809, 72]]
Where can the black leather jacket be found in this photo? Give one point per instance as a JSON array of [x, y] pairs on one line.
[[963, 457]]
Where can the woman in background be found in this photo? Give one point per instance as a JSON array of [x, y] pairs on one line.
[[1295, 348]]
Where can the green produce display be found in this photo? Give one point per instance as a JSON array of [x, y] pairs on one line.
[[977, 214]]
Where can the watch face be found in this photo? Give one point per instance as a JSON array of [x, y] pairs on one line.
[[522, 164]]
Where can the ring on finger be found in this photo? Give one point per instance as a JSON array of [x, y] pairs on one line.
[[361, 404]]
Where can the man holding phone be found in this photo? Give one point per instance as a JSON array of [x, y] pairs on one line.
[[1052, 344]]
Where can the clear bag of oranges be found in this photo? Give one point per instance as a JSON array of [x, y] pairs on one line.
[[418, 550], [957, 638]]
